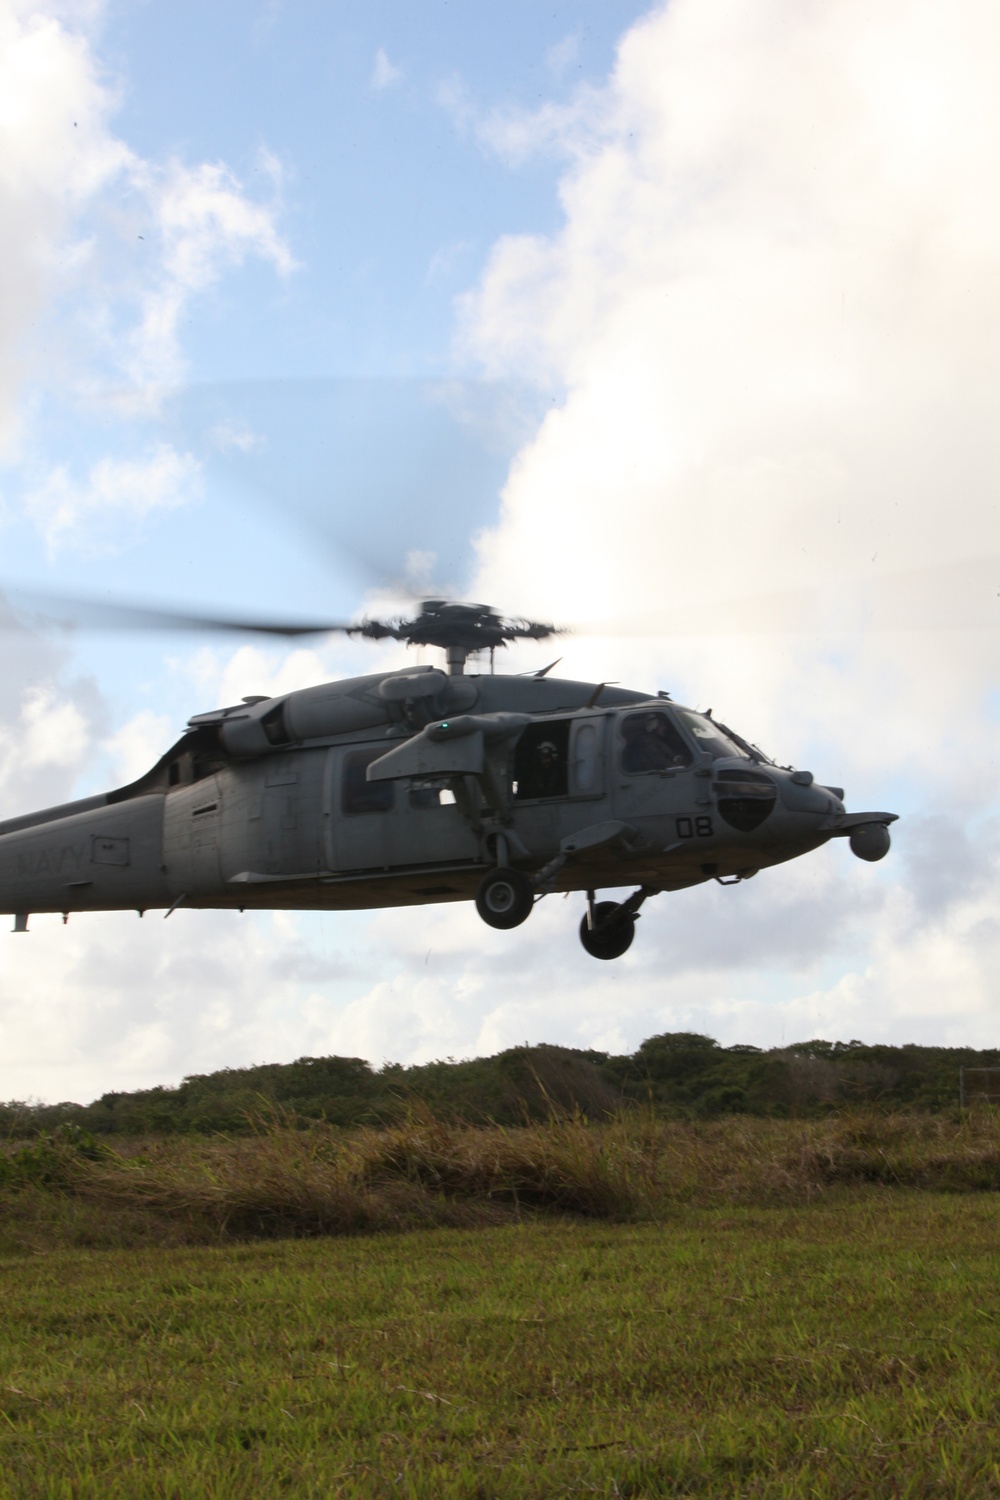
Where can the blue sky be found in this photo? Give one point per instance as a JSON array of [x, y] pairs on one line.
[[391, 202], [355, 127], [592, 311]]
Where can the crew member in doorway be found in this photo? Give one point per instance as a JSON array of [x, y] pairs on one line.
[[549, 779]]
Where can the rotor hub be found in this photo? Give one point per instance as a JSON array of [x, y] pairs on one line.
[[460, 630]]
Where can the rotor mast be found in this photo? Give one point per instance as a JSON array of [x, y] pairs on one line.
[[457, 657]]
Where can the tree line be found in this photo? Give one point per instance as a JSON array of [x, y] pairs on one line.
[[683, 1074]]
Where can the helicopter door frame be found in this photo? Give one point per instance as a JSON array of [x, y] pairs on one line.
[[588, 761], [356, 810], [580, 773]]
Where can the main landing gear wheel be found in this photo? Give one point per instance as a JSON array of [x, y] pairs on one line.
[[612, 931], [505, 898]]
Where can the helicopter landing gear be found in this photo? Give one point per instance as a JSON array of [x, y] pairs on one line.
[[608, 928], [612, 932], [505, 898]]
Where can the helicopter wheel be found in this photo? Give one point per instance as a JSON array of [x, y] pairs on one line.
[[505, 898], [612, 932]]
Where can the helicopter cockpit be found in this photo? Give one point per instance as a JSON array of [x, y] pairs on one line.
[[721, 743]]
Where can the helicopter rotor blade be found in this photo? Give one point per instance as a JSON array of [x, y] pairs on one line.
[[374, 471], [121, 615]]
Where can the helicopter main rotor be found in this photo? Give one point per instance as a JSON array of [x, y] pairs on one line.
[[460, 630]]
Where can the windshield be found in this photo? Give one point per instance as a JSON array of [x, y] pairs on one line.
[[711, 736]]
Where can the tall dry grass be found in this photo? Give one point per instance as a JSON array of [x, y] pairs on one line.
[[284, 1181]]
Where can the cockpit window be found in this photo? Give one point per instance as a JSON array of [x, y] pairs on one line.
[[651, 743], [710, 736]]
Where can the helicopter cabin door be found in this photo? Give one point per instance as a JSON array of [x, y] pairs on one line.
[[657, 775], [391, 825], [357, 811], [558, 763]]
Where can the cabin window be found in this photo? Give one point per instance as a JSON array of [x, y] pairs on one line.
[[358, 795], [586, 759], [541, 761], [651, 741], [425, 794]]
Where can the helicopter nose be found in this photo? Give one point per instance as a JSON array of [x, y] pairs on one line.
[[801, 794]]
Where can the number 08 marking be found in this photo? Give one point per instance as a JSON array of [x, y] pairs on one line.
[[689, 828]]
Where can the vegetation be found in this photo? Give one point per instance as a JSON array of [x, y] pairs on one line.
[[748, 1306], [842, 1348], [681, 1074], [71, 1188]]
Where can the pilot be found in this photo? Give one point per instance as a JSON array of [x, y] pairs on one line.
[[656, 747]]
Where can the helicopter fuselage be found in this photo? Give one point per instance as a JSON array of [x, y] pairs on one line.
[[410, 787]]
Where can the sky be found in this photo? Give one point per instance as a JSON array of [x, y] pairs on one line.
[[676, 324]]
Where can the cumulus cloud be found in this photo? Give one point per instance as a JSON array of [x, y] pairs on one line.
[[384, 73], [139, 743], [218, 990], [49, 719], [772, 308], [205, 225], [769, 306], [75, 200], [56, 154], [116, 493]]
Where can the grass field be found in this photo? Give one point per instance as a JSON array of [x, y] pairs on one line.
[[843, 1348], [745, 1308]]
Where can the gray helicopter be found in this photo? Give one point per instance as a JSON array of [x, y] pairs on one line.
[[421, 785]]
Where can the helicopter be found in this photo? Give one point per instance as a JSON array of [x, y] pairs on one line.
[[423, 785]]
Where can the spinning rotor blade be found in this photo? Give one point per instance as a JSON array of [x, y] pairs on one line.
[[100, 614], [387, 477], [438, 622]]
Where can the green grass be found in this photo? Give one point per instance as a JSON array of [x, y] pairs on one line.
[[841, 1347]]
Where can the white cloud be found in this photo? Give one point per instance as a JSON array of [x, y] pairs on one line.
[[205, 225], [48, 722], [218, 990], [566, 128], [384, 73], [561, 58], [75, 202], [236, 435], [115, 493], [774, 312], [56, 153], [139, 743], [770, 314]]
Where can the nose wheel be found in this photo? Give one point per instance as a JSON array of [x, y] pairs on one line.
[[607, 930]]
